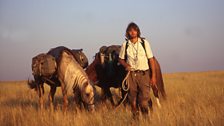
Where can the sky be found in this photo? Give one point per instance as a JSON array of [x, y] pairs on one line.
[[185, 35]]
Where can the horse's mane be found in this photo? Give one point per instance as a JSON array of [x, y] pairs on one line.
[[67, 50], [57, 51], [90, 70], [95, 61]]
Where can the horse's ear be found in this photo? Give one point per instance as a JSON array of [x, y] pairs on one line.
[[97, 55], [79, 50], [85, 84], [103, 49]]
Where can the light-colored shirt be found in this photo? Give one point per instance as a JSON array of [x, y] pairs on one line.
[[137, 56]]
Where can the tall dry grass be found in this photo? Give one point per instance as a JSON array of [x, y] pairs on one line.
[[193, 99]]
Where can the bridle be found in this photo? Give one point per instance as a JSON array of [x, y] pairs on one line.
[[88, 102]]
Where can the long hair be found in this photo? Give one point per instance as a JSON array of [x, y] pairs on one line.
[[134, 26]]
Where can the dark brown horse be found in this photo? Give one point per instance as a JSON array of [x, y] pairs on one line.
[[105, 71]]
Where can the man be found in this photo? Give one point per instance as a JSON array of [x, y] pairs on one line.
[[137, 58]]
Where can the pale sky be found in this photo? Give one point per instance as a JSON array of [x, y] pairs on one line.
[[185, 35]]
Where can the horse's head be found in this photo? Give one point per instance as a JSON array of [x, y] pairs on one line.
[[87, 95], [92, 69], [80, 57]]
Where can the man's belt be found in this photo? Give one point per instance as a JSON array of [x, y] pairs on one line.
[[140, 71]]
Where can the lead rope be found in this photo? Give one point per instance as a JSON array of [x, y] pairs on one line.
[[125, 87]]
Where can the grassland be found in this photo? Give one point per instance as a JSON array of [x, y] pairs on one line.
[[193, 99]]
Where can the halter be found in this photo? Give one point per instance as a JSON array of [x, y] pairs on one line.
[[89, 101]]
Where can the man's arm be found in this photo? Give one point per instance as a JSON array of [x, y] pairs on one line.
[[126, 65], [153, 69], [122, 57]]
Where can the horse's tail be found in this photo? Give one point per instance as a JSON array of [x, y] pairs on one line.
[[160, 83], [31, 84]]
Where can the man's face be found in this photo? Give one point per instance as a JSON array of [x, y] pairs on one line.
[[133, 33]]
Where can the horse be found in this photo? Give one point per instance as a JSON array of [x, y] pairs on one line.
[[106, 71], [103, 76], [52, 80], [74, 79]]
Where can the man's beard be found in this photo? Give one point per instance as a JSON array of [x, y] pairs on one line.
[[133, 37]]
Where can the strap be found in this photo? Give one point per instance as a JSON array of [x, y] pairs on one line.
[[143, 44], [126, 47]]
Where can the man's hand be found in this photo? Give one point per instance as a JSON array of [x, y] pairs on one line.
[[126, 65], [128, 68], [153, 68], [153, 81]]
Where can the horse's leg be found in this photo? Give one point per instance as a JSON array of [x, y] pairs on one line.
[[150, 105], [110, 97], [103, 94], [51, 97], [108, 94], [40, 94], [42, 89], [77, 99], [156, 94], [65, 98]]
